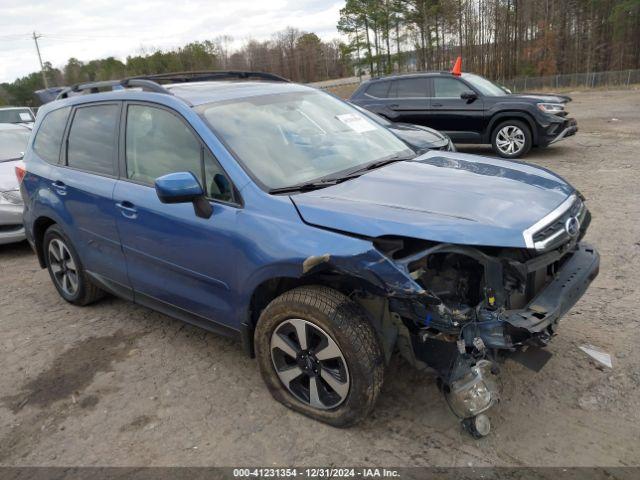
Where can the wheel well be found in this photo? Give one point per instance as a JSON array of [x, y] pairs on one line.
[[39, 227], [270, 289], [524, 117]]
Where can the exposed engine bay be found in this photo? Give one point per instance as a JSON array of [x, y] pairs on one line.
[[481, 304], [461, 310]]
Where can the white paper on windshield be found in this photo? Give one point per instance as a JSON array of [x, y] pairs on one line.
[[356, 122], [25, 117]]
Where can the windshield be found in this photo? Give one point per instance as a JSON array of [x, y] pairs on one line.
[[13, 143], [16, 115], [486, 87], [291, 138]]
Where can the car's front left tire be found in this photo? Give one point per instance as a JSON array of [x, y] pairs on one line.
[[511, 139], [319, 355], [66, 270]]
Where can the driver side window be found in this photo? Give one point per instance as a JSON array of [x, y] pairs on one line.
[[159, 142], [448, 87]]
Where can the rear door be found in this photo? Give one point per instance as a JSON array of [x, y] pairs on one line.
[[84, 185], [177, 262], [461, 119], [408, 101]]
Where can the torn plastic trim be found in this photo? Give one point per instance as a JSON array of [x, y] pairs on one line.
[[371, 267]]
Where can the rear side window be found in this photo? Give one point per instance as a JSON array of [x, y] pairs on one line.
[[92, 139], [49, 137], [378, 89], [409, 87], [448, 87]]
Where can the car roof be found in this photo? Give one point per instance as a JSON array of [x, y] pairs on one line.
[[413, 75], [199, 93], [15, 108]]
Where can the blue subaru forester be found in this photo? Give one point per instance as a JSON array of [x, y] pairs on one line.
[[280, 215]]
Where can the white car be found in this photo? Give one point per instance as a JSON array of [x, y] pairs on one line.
[[19, 115], [13, 143]]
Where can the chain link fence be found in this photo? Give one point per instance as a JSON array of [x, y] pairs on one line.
[[622, 78]]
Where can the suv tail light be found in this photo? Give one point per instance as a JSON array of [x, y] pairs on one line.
[[21, 171]]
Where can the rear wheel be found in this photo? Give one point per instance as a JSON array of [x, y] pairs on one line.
[[66, 270], [319, 355], [511, 139]]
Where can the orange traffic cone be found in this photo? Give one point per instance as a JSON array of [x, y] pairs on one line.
[[457, 68]]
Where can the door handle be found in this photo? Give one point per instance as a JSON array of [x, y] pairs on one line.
[[436, 104], [127, 209], [393, 106], [59, 187]]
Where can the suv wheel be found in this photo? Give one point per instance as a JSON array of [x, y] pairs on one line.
[[65, 269], [319, 355], [511, 139]]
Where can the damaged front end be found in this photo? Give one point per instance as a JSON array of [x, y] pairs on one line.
[[459, 309]]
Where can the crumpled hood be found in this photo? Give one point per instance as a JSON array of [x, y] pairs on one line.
[[440, 196], [8, 180]]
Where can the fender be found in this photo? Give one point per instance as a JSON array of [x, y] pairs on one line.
[[496, 118]]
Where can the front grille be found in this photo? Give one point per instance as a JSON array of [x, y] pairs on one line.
[[555, 233]]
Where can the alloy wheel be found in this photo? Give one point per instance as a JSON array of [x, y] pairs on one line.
[[63, 267], [510, 140], [310, 364]]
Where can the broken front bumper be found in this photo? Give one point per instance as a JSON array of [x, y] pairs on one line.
[[509, 328]]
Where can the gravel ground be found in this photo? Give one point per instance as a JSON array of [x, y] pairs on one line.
[[117, 384]]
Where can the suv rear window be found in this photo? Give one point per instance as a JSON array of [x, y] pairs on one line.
[[92, 139], [409, 87], [49, 137], [378, 89]]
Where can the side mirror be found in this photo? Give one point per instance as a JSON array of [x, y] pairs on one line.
[[469, 95], [183, 187]]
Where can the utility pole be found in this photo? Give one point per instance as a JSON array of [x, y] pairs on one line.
[[44, 77]]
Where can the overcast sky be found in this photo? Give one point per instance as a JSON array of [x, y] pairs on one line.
[[102, 28]]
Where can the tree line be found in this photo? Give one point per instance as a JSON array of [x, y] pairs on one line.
[[500, 39], [294, 54]]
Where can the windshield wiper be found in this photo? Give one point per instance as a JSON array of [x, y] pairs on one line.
[[334, 180], [304, 187]]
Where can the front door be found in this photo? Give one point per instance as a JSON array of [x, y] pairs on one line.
[[461, 119], [173, 257]]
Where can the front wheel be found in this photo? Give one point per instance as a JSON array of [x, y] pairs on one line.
[[319, 355], [511, 139]]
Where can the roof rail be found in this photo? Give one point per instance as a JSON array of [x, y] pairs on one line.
[[94, 87], [203, 76]]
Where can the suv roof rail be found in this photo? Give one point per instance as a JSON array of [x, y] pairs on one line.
[[209, 75], [94, 87], [408, 74]]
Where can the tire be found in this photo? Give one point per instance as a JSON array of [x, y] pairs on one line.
[[357, 373], [77, 288], [511, 139]]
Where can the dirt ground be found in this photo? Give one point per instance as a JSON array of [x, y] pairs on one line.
[[117, 384]]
